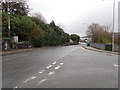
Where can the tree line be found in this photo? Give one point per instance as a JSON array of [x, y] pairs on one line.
[[102, 34], [32, 29]]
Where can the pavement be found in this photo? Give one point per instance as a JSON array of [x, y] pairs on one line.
[[30, 49], [99, 50], [16, 51], [60, 67]]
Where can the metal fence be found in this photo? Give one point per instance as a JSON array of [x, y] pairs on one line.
[[102, 46], [98, 45]]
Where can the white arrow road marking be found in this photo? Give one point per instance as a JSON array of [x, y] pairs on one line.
[[57, 67], [43, 80], [49, 66], [50, 73], [54, 63]]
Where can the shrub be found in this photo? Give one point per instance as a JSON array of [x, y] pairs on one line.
[[75, 38]]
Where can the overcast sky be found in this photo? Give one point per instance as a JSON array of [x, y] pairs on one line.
[[71, 14]]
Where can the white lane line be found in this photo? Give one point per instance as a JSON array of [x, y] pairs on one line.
[[5, 60], [31, 78], [57, 67], [24, 55], [49, 66], [50, 73], [41, 71], [115, 65], [15, 87], [83, 48], [43, 80], [61, 63], [54, 63]]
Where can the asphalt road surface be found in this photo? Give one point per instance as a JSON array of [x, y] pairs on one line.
[[60, 67]]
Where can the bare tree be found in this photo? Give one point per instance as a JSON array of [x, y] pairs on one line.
[[20, 7], [39, 16], [99, 34]]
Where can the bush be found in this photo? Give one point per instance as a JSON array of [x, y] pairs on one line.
[[75, 38], [37, 37], [20, 45]]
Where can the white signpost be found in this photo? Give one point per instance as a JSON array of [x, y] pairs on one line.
[[15, 38]]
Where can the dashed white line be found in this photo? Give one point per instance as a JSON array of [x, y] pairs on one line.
[[24, 55], [5, 60], [31, 78], [57, 67], [43, 80], [50, 73], [54, 63], [15, 87], [115, 65], [41, 71], [49, 66], [61, 63]]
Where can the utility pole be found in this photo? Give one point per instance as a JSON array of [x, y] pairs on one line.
[[113, 27], [113, 36], [8, 13]]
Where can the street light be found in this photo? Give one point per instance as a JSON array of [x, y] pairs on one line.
[[113, 36], [8, 12], [113, 25]]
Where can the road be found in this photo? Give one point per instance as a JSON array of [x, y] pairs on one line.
[[60, 67]]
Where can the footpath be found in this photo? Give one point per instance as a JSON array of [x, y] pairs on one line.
[[30, 49], [17, 51], [99, 50]]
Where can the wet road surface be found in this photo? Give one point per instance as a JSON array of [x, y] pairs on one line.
[[60, 67]]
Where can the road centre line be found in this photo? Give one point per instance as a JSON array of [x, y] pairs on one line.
[[57, 67], [31, 78], [49, 66], [43, 80], [115, 65], [41, 71], [54, 63], [61, 63], [13, 58], [5, 60], [50, 73]]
